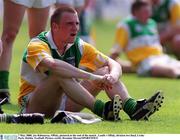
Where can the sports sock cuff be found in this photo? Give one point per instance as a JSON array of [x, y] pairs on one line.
[[5, 118], [129, 106], [98, 108], [4, 77]]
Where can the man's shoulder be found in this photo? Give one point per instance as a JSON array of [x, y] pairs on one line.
[[79, 42], [36, 43], [36, 40], [125, 20], [124, 23], [40, 39]]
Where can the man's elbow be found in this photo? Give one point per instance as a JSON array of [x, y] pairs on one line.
[[117, 65], [48, 63]]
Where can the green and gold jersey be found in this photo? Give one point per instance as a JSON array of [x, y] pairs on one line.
[[43, 46], [139, 41]]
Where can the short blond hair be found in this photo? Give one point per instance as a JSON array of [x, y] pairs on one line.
[[56, 16]]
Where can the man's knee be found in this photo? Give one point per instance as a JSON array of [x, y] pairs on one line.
[[9, 36]]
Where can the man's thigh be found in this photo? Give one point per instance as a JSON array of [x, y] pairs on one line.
[[93, 87], [46, 98]]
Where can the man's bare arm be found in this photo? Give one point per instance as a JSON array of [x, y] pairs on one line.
[[63, 69]]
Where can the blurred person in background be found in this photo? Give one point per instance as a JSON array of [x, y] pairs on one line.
[[167, 14], [14, 10], [138, 37]]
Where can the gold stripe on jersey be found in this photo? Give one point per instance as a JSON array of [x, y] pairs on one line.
[[175, 14], [92, 58], [121, 37], [137, 54], [36, 52], [25, 88]]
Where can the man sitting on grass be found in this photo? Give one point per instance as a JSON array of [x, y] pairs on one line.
[[167, 15], [49, 74]]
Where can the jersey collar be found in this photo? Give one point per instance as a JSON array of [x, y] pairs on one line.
[[51, 42]]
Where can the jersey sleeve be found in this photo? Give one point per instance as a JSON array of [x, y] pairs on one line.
[[36, 52], [92, 58], [121, 38]]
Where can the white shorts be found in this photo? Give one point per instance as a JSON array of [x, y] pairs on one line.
[[35, 3], [147, 64], [63, 102], [75, 3]]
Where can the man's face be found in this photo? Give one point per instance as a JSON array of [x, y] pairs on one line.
[[143, 14], [67, 28]]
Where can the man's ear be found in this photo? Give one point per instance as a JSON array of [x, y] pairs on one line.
[[55, 26]]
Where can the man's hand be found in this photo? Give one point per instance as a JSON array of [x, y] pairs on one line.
[[105, 82], [109, 79]]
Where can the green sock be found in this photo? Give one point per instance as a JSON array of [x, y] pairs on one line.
[[4, 76], [98, 107], [5, 118], [129, 106]]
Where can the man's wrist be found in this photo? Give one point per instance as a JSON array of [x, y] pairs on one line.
[[95, 77]]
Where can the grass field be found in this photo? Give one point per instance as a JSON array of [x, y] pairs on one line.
[[167, 120]]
